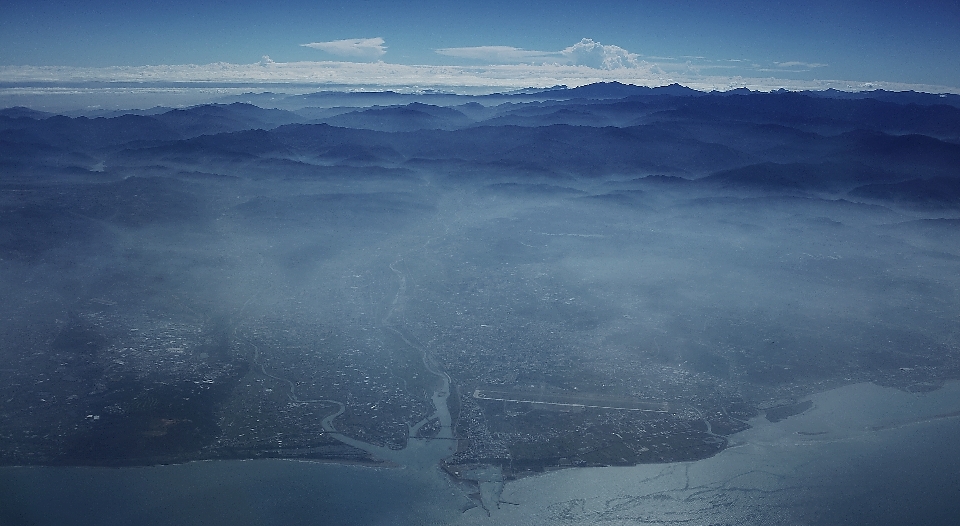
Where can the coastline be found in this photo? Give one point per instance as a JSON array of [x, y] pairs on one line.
[[807, 404], [829, 446]]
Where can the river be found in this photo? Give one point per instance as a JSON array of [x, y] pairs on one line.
[[862, 454]]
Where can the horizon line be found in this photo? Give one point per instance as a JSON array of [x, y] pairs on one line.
[[382, 75]]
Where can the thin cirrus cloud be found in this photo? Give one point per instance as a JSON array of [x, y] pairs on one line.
[[357, 48], [795, 64], [587, 52], [498, 54]]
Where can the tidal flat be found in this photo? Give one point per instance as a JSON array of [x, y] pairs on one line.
[[862, 453]]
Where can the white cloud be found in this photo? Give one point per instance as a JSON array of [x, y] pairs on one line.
[[361, 48], [596, 55], [584, 53]]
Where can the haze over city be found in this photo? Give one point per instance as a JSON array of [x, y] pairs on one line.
[[550, 263]]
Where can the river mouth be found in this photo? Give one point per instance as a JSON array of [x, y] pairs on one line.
[[418, 452], [421, 453], [835, 460]]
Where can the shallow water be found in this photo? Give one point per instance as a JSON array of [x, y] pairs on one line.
[[227, 492], [862, 454]]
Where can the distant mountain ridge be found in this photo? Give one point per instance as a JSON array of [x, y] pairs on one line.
[[827, 143]]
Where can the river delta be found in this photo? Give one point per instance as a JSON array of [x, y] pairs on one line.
[[861, 453]]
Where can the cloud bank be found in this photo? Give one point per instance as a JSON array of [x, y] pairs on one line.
[[359, 48], [381, 75]]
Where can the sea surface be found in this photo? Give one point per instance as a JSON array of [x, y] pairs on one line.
[[862, 454]]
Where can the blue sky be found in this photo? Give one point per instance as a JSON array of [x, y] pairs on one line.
[[904, 42]]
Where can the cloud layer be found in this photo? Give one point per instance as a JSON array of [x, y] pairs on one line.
[[358, 48], [381, 75]]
